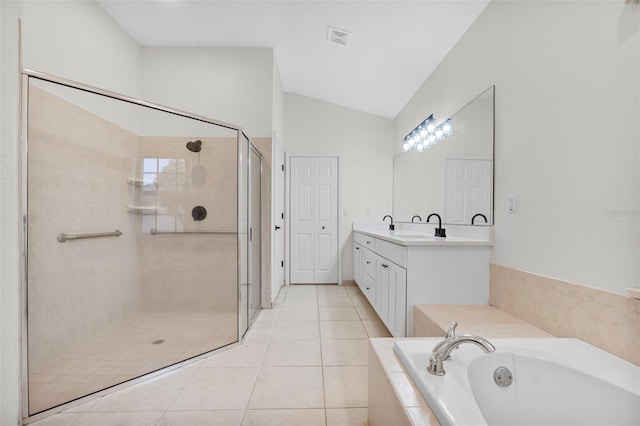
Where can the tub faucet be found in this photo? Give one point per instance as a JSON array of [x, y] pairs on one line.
[[443, 349], [391, 226], [451, 332], [473, 219], [440, 231], [418, 216]]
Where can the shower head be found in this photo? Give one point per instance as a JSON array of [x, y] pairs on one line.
[[194, 146]]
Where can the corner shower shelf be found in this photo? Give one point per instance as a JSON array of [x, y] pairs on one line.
[[135, 182], [142, 209], [139, 182]]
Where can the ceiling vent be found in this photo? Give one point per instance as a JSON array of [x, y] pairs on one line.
[[339, 37]]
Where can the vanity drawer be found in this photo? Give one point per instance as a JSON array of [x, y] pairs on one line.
[[369, 263], [364, 240], [394, 252]]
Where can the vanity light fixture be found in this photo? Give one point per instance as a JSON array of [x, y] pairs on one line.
[[427, 134]]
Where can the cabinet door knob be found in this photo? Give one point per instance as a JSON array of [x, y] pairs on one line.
[[384, 266], [357, 248], [368, 262], [368, 242]]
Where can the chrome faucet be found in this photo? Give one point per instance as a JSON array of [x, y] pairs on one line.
[[418, 216], [451, 332], [473, 219], [440, 231], [443, 350], [391, 226]]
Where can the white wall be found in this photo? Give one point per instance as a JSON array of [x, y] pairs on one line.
[[78, 40], [567, 133], [228, 84], [366, 157], [278, 103], [9, 256]]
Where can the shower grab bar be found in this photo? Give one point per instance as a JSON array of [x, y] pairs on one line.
[[154, 231], [62, 237]]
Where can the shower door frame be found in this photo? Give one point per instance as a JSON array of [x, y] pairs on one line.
[[252, 148], [23, 146]]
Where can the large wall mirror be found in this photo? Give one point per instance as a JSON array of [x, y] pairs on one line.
[[454, 177]]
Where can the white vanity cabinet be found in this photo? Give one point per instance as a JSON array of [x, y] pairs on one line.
[[394, 276], [391, 296], [382, 281]]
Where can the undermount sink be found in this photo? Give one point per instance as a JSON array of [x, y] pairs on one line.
[[408, 234]]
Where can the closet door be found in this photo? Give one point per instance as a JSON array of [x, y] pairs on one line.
[[314, 220]]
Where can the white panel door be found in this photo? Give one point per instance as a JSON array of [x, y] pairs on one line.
[[468, 186], [314, 220]]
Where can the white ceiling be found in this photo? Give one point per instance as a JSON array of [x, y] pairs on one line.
[[394, 45]]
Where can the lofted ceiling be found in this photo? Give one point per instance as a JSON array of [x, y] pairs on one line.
[[393, 46]]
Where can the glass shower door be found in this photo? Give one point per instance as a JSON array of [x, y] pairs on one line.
[[131, 240], [250, 253]]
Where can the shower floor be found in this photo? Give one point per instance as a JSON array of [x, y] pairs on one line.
[[129, 351]]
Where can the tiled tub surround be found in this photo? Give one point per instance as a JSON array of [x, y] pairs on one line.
[[393, 398], [304, 362], [435, 320], [606, 320]]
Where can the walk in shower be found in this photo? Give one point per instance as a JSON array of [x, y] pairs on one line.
[[141, 239]]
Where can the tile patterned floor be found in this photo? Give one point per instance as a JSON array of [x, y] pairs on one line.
[[303, 363], [127, 352]]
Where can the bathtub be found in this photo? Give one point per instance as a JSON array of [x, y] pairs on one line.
[[555, 382]]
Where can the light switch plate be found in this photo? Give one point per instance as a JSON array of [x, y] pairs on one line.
[[512, 203]]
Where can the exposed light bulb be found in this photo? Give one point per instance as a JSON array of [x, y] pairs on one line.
[[431, 124], [420, 147], [432, 139], [423, 131], [405, 147], [447, 128], [439, 133]]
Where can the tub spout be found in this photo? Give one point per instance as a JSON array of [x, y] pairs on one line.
[[443, 350]]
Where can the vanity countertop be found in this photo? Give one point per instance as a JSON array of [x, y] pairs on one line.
[[413, 238]]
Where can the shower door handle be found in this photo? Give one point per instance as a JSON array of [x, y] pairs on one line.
[[251, 234]]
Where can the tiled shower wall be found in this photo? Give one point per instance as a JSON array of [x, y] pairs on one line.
[[194, 272], [79, 164]]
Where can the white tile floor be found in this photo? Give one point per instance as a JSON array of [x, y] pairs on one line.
[[303, 363]]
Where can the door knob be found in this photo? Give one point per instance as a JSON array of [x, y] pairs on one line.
[[277, 227], [323, 227]]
